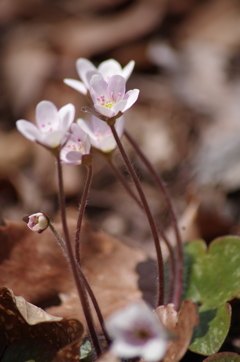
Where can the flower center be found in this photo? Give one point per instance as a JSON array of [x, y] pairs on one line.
[[35, 220], [110, 102], [78, 146], [142, 334]]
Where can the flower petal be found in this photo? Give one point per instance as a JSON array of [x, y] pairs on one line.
[[106, 144], [116, 87], [120, 106], [119, 125], [154, 350], [76, 84], [105, 111], [127, 70], [108, 68], [28, 130], [52, 139], [85, 126], [79, 135], [66, 116], [89, 76], [47, 116], [98, 87], [83, 66], [126, 350], [131, 97], [100, 126], [74, 157]]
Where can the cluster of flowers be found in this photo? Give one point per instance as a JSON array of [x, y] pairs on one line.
[[135, 331], [55, 128]]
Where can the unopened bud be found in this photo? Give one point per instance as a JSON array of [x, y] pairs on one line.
[[37, 222]]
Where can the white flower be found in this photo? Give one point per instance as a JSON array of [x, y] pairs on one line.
[[78, 144], [109, 98], [37, 222], [100, 133], [136, 331], [52, 124], [106, 69]]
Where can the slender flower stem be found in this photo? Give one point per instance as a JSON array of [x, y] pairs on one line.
[[132, 172], [160, 183], [123, 182], [80, 286], [84, 280], [60, 240], [170, 249], [81, 212]]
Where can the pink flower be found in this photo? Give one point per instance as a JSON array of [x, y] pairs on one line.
[[107, 69], [77, 146], [110, 99], [100, 133], [136, 331], [52, 124], [37, 222]]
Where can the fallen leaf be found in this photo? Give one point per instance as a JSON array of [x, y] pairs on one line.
[[33, 266], [181, 325], [114, 272], [29, 331], [70, 353]]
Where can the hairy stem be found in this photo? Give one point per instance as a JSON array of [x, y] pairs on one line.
[[84, 280], [81, 212], [144, 202], [160, 183], [169, 247], [80, 286]]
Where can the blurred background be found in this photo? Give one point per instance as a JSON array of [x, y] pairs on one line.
[[187, 119]]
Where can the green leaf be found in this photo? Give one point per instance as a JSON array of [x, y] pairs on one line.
[[211, 332], [214, 272], [223, 357], [212, 277]]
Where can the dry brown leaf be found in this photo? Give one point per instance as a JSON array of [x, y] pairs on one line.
[[70, 353], [181, 325], [114, 271], [33, 266], [22, 320]]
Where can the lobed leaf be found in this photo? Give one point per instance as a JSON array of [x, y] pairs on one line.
[[212, 279]]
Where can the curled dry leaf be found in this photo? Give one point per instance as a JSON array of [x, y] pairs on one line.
[[33, 266], [70, 353], [22, 321], [181, 325]]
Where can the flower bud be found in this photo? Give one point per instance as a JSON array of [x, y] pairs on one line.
[[37, 222]]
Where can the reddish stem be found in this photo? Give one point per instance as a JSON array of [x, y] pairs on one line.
[[84, 281], [80, 287], [160, 183], [81, 212], [148, 213], [170, 249]]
